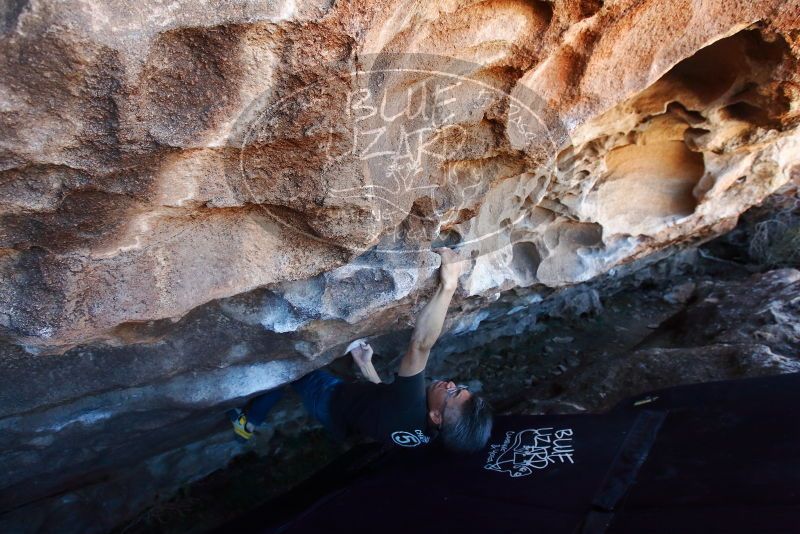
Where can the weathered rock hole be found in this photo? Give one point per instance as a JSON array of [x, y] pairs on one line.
[[713, 70], [544, 10], [770, 48], [732, 66], [648, 185], [563, 249], [525, 262], [589, 7], [690, 116], [742, 111], [447, 238], [693, 137]]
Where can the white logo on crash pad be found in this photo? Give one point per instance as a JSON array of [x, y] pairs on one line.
[[523, 452], [407, 439]]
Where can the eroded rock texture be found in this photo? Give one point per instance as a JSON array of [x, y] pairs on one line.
[[201, 200]]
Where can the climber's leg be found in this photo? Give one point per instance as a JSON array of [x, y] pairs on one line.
[[259, 407], [254, 413], [316, 389]]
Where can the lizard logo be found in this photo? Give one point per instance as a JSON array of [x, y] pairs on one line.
[[524, 452]]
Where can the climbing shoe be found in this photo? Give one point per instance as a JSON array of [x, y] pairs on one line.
[[239, 422]]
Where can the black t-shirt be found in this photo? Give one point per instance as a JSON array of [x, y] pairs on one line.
[[395, 413]]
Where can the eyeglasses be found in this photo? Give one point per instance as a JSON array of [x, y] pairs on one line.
[[455, 390]]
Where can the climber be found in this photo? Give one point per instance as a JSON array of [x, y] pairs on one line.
[[405, 412]]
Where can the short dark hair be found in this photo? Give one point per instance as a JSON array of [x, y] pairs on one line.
[[470, 431]]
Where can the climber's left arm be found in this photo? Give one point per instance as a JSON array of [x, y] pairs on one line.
[[431, 319]]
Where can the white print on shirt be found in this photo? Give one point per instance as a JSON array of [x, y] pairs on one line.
[[535, 448], [407, 439]]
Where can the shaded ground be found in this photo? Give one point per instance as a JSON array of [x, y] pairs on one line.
[[729, 309]]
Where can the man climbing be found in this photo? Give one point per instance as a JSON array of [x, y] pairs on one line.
[[404, 412]]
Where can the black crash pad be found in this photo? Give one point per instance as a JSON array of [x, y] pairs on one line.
[[717, 457]]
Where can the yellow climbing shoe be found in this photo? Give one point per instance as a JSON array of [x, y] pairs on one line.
[[239, 422]]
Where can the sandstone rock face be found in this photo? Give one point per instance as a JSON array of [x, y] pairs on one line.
[[155, 159], [201, 200]]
